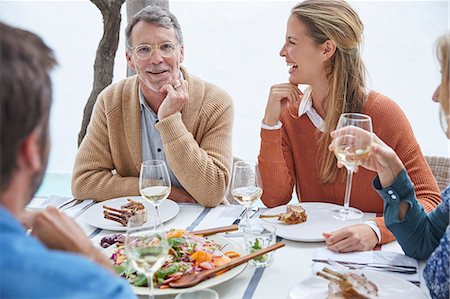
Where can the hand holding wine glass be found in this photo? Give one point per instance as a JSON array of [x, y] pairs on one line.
[[147, 248], [382, 158], [351, 148], [154, 183], [246, 186]]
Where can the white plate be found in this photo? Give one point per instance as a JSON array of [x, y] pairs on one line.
[[319, 221], [231, 246], [94, 215], [388, 285]]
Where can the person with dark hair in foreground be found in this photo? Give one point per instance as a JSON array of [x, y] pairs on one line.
[[57, 260]]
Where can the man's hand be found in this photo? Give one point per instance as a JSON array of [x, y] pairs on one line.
[[180, 195], [358, 237], [58, 231], [176, 98]]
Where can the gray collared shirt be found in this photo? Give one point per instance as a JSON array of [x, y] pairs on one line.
[[152, 146]]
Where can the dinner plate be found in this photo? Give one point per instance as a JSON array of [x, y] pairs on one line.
[[94, 215], [319, 221], [388, 285], [230, 246]]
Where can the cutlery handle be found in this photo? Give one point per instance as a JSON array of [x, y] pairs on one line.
[[270, 216], [412, 269], [213, 231], [244, 259]]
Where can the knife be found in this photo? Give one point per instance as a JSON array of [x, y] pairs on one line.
[[374, 266]]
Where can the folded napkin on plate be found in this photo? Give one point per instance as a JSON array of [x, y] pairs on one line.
[[379, 257], [39, 203]]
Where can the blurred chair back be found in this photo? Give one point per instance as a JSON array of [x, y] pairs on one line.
[[440, 166]]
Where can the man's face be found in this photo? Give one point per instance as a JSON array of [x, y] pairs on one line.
[[160, 68]]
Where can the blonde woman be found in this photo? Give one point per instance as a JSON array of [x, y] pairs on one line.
[[420, 234], [322, 50]]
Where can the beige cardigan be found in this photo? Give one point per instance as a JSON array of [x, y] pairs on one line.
[[197, 143]]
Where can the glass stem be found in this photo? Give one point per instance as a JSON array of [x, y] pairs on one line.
[[348, 189], [247, 215], [150, 286], [157, 219]]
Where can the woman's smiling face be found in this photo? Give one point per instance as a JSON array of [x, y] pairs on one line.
[[303, 56]]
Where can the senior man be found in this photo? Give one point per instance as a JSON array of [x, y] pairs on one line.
[[163, 113]]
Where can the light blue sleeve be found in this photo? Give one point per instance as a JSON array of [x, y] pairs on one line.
[[420, 232], [64, 276]]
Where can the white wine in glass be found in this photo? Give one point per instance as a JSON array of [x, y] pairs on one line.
[[146, 248], [351, 148], [154, 184], [246, 186]]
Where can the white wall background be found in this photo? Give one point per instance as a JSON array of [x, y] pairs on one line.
[[235, 44]]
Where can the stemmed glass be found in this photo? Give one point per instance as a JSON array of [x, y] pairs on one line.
[[154, 184], [246, 186], [351, 149], [147, 248]]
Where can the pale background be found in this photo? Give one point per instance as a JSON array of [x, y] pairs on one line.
[[235, 45]]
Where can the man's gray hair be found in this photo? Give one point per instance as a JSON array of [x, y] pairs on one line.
[[158, 16]]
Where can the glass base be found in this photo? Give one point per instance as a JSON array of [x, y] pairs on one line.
[[346, 215]]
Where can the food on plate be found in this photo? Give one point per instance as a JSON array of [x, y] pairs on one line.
[[188, 253], [348, 285], [132, 208], [294, 215], [108, 240]]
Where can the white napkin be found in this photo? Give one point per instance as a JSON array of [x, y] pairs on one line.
[[79, 208], [39, 203], [379, 257]]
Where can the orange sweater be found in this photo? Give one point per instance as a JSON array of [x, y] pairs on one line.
[[289, 156]]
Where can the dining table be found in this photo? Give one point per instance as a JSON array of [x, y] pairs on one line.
[[291, 264]]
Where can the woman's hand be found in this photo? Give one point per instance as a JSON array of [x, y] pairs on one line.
[[280, 96], [358, 237], [382, 159]]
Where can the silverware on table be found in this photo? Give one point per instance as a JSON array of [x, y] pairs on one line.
[[252, 212], [66, 203], [83, 209], [69, 204], [239, 217], [372, 266]]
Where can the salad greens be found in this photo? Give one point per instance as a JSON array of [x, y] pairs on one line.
[[188, 253]]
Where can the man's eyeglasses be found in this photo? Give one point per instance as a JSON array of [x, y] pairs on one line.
[[144, 52]]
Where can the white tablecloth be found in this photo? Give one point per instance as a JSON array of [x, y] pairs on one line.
[[291, 264]]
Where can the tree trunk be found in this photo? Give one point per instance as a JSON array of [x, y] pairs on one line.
[[104, 59], [133, 7]]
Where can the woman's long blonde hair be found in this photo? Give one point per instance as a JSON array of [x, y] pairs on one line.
[[335, 20], [443, 53]]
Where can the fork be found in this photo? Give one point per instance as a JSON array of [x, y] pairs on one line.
[[83, 209], [380, 267], [66, 206], [338, 266]]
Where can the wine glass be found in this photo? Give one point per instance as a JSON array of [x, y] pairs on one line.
[[352, 147], [147, 248], [154, 184], [246, 186]]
